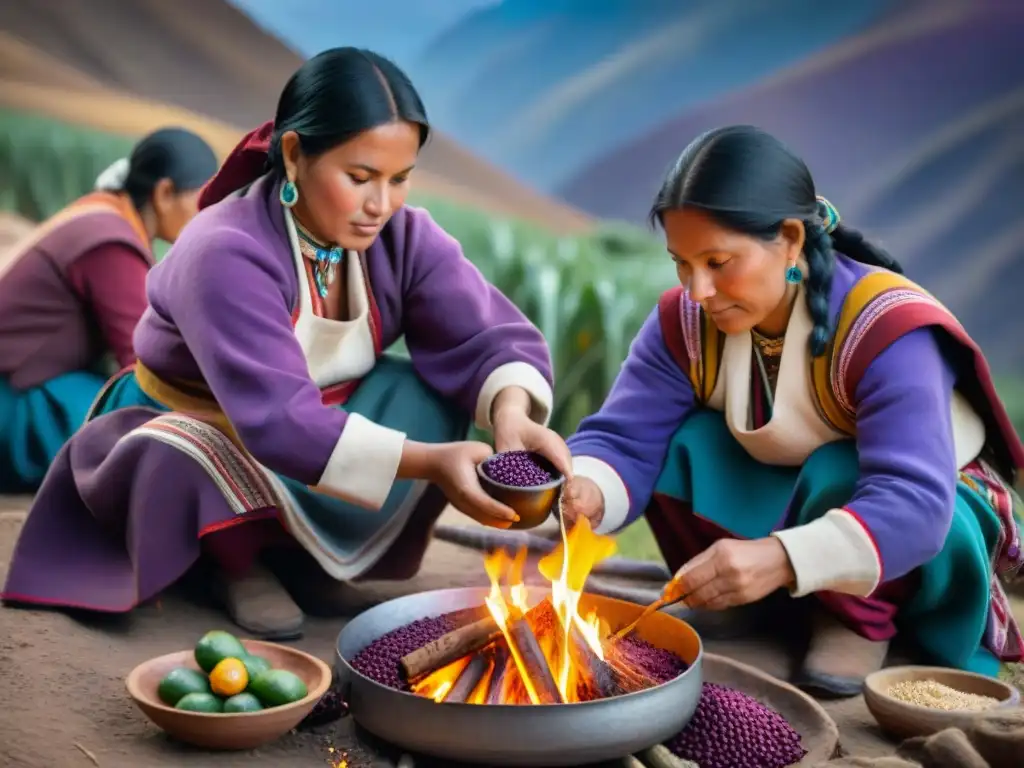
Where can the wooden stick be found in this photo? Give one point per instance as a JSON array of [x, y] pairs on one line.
[[448, 648], [543, 618], [659, 756], [601, 678], [469, 678], [463, 641], [464, 616], [639, 595], [497, 681], [87, 753], [634, 570], [534, 666]]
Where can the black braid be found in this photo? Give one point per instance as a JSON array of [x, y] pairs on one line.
[[821, 262], [851, 243]]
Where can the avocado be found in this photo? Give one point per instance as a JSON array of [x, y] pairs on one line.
[[254, 665], [179, 682], [275, 687], [242, 702], [200, 702], [215, 646]]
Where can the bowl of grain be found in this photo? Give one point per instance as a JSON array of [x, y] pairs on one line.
[[526, 482], [920, 701]]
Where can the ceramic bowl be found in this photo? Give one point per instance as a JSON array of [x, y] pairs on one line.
[[906, 720], [532, 504], [242, 730]]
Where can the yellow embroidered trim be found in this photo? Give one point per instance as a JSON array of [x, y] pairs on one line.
[[203, 409]]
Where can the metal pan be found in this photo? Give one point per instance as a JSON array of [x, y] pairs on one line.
[[528, 735]]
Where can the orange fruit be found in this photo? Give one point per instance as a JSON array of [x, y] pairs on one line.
[[229, 677]]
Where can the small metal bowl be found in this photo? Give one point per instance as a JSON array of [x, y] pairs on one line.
[[534, 503]]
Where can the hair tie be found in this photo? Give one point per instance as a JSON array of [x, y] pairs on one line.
[[114, 176], [829, 215]]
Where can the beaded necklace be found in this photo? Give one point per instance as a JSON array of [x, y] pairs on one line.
[[325, 259]]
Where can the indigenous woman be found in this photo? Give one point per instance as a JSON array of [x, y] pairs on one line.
[[798, 415], [261, 411], [71, 295]]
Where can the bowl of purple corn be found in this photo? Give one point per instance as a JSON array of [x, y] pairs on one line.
[[523, 480]]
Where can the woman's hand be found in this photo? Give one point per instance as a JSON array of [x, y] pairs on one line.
[[518, 432], [582, 498], [452, 467], [514, 430], [733, 572]]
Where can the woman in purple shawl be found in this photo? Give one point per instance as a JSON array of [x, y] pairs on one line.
[[797, 416], [262, 411]]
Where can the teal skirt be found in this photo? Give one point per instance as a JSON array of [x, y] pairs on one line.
[[392, 395], [36, 422], [710, 483]]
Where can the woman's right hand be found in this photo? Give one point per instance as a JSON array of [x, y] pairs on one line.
[[452, 467], [582, 498]]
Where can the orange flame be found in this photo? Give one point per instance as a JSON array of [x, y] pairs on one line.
[[566, 568]]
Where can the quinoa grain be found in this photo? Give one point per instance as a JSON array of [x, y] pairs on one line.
[[934, 695]]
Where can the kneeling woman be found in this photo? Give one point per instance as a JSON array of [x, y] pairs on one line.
[[72, 294], [799, 415], [261, 395]]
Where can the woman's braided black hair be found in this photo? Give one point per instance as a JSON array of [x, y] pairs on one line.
[[749, 182]]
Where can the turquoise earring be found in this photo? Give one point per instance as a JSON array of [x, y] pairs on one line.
[[794, 275], [289, 194]]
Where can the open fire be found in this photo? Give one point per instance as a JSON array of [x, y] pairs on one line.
[[517, 654]]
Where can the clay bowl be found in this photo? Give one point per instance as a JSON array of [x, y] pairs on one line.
[[532, 504], [906, 720], [242, 730]]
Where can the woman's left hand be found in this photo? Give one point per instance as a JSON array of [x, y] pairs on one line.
[[733, 572], [514, 430]]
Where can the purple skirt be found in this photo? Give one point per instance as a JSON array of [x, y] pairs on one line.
[[121, 512]]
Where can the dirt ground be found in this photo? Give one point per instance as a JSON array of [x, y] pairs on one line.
[[65, 704]]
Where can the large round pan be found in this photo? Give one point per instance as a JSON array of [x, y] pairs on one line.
[[525, 735]]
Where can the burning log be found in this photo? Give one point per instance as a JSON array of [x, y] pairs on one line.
[[470, 677], [501, 669], [448, 648], [463, 641], [600, 679], [532, 663]]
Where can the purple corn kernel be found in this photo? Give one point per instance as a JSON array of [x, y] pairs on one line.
[[518, 469], [733, 730], [379, 660]]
